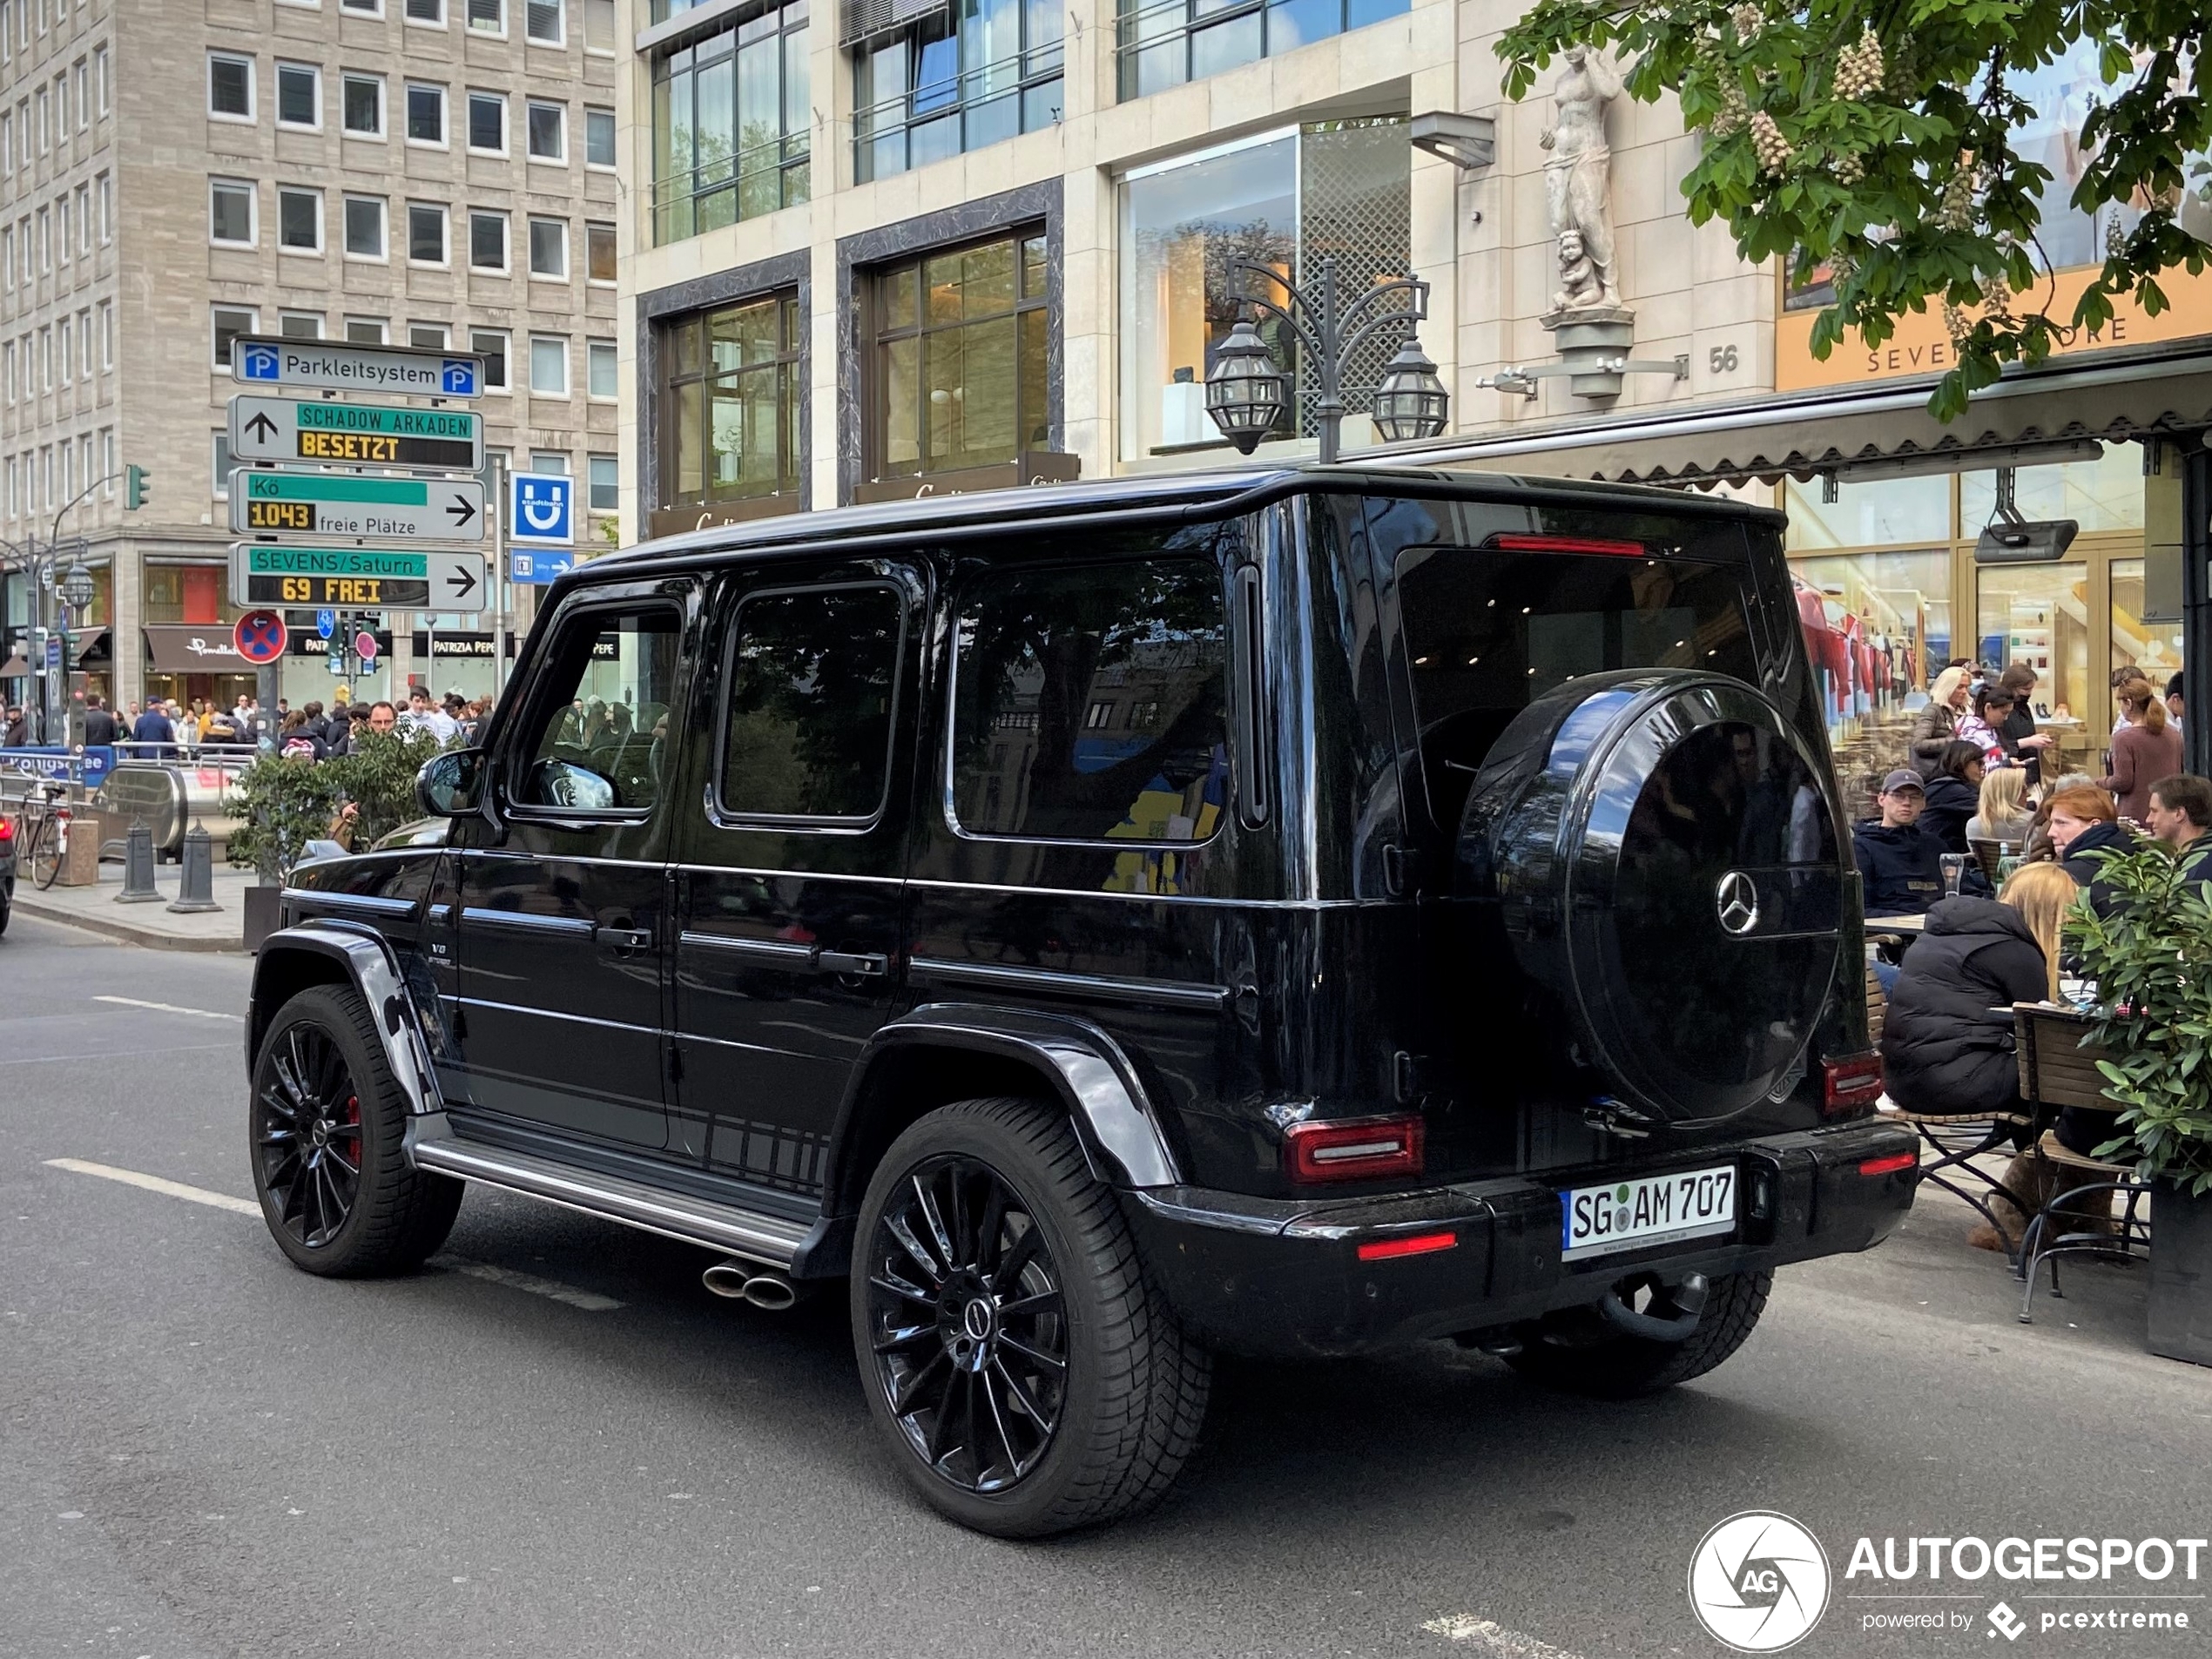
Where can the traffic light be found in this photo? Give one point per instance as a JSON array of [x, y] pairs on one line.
[[138, 487]]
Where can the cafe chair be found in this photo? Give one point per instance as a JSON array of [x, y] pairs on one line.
[[1989, 855], [2060, 1229]]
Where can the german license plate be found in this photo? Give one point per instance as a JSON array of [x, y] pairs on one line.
[[1652, 1209]]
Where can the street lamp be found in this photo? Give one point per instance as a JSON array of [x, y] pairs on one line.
[[77, 588], [1246, 394]]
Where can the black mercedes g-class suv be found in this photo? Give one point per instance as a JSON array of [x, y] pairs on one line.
[[1294, 913]]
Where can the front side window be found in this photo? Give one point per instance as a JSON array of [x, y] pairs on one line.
[[960, 359], [598, 737], [958, 79], [732, 125], [1090, 703], [1339, 190], [814, 677], [730, 401]]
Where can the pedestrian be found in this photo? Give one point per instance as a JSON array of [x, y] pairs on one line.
[[2145, 747], [2002, 814], [2174, 702], [156, 732], [1991, 709], [1938, 724], [2180, 816], [1953, 795], [99, 725], [2024, 745], [1900, 867], [2122, 677], [383, 719], [17, 733], [297, 740], [423, 716]]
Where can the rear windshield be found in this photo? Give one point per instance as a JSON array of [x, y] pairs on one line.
[[1499, 605]]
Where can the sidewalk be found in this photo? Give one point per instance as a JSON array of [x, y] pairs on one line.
[[152, 925]]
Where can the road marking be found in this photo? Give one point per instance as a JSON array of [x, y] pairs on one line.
[[166, 1008], [552, 1290], [1494, 1638], [155, 1184], [589, 1301]]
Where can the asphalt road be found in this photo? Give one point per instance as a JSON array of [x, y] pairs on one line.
[[555, 1442]]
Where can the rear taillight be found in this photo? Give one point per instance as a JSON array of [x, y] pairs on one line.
[[1356, 1149], [1849, 1083], [1569, 544], [7, 827], [1384, 1250], [1892, 1165]]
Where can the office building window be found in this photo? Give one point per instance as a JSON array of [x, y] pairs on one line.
[[957, 78], [427, 11], [299, 220], [731, 122], [365, 331], [549, 248], [959, 360], [487, 240], [365, 106], [549, 131], [104, 189], [427, 336], [365, 227], [99, 78], [299, 325], [486, 17], [230, 215], [599, 253], [488, 122], [298, 96], [543, 23], [599, 26], [219, 465], [426, 233], [230, 87], [230, 321], [598, 138], [603, 364], [548, 366], [552, 461], [425, 114], [604, 481], [729, 402], [1160, 44], [107, 334], [490, 344]]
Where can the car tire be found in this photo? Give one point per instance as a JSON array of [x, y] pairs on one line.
[[1615, 1365], [327, 1123], [1104, 1436]]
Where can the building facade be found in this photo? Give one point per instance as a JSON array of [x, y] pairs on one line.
[[424, 172], [882, 248]]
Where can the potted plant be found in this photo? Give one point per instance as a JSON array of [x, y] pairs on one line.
[[281, 805], [2150, 954]]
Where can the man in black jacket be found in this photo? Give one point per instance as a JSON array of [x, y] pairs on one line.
[[1900, 867], [100, 729]]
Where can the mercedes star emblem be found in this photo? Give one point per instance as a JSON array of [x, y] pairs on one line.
[[1739, 899]]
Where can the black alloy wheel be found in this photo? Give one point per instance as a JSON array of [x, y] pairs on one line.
[[967, 1323], [307, 1135]]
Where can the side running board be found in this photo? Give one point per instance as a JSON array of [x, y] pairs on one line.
[[770, 1240]]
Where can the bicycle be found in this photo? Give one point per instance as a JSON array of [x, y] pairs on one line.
[[42, 832]]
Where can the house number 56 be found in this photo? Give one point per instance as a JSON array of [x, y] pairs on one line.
[[1720, 360]]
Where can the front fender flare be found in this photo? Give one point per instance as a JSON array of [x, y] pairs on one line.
[[369, 965], [1113, 1114]]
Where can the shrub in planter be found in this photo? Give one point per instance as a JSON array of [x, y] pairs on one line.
[[2150, 954], [281, 806]]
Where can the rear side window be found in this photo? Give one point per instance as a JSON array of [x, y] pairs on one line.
[[1090, 703], [813, 681]]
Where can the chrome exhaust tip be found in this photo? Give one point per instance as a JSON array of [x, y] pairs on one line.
[[738, 1281], [727, 1279]]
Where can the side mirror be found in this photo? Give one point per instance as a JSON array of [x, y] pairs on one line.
[[449, 785]]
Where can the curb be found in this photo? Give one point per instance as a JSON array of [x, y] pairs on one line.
[[153, 938]]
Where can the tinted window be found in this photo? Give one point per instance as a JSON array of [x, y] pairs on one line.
[[599, 736], [813, 679], [1090, 703]]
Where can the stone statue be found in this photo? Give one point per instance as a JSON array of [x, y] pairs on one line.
[[1578, 178]]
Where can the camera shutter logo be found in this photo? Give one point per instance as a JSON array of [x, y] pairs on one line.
[[1758, 1581], [1737, 899]]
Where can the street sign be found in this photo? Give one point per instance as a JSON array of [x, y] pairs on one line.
[[330, 504], [537, 567], [283, 429], [326, 623], [365, 646], [264, 573], [328, 365], [540, 507], [259, 637], [53, 653]]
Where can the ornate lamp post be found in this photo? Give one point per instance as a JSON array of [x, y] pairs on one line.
[[1246, 394]]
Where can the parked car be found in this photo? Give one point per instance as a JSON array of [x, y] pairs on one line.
[[1290, 912]]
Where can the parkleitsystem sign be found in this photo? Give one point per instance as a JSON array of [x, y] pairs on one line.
[[260, 359]]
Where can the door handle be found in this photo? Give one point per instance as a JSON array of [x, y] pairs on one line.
[[867, 964], [625, 941]]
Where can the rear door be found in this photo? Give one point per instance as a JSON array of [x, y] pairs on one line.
[[562, 933], [792, 859]]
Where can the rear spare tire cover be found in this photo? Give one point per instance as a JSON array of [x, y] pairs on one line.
[[1663, 848]]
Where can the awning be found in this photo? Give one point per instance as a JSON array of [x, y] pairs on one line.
[[193, 648], [15, 668], [91, 648], [2110, 397]]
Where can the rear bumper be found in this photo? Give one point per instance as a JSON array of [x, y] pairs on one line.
[[1281, 1277]]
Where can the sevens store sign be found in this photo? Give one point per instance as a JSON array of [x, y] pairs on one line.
[[259, 638]]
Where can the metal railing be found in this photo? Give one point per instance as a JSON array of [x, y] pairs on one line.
[[758, 179]]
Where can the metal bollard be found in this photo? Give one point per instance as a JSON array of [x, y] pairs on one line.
[[196, 891], [138, 868]]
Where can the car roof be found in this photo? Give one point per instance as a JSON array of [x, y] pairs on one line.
[[1145, 496]]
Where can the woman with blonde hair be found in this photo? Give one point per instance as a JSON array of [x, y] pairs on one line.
[[1938, 723], [2002, 813]]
